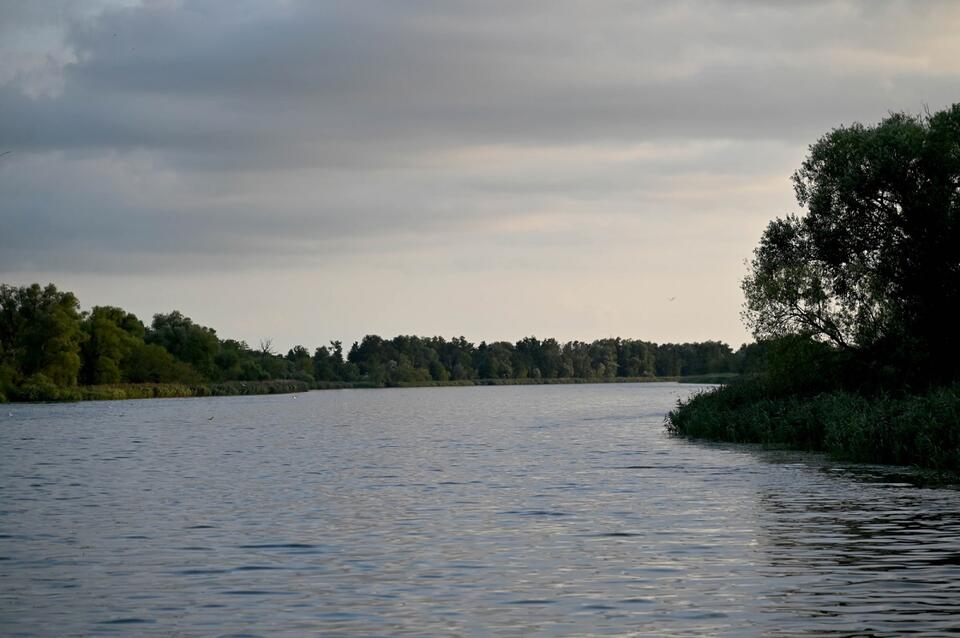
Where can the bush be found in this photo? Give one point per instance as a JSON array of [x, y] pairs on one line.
[[37, 387], [922, 429]]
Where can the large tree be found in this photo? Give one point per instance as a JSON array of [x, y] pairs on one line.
[[187, 341], [112, 335], [874, 264], [40, 332]]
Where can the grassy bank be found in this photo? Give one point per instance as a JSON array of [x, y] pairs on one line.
[[35, 392], [919, 429], [39, 392], [719, 378], [530, 381]]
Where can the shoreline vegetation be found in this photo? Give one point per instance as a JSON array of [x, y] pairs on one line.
[[852, 305], [125, 391], [919, 429], [50, 350]]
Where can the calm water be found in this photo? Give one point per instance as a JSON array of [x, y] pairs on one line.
[[498, 511]]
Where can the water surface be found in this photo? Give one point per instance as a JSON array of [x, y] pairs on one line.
[[482, 511]]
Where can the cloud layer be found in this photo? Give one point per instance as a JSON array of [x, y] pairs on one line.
[[239, 141]]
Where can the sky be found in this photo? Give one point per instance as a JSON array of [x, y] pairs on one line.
[[309, 171]]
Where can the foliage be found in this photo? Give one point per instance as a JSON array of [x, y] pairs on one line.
[[857, 353], [875, 263], [40, 332], [922, 429], [112, 336], [151, 363], [110, 353], [193, 344], [37, 387]]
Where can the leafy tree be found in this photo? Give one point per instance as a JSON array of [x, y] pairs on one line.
[[501, 360], [874, 265], [41, 332], [324, 365], [150, 363], [191, 343], [112, 334], [45, 344], [301, 363], [230, 359], [577, 356], [603, 358]]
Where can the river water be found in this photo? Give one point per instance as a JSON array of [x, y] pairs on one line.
[[481, 511]]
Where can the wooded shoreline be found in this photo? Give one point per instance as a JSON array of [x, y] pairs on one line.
[[51, 350], [131, 391]]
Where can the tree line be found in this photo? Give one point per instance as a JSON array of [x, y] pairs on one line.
[[45, 338]]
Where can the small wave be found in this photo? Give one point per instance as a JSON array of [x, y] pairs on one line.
[[279, 546]]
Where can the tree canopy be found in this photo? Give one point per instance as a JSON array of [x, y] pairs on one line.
[[45, 340], [874, 264]]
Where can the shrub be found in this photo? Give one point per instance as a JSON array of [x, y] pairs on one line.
[[922, 429], [37, 387]]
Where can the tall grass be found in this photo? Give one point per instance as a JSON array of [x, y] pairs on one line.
[[921, 429], [39, 388]]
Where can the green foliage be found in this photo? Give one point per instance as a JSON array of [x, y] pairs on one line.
[[111, 354], [40, 332], [193, 344], [38, 387], [852, 305], [921, 429], [112, 335], [416, 360], [276, 386], [151, 363], [301, 363], [873, 265], [8, 376]]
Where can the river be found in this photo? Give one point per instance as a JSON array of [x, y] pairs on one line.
[[477, 511]]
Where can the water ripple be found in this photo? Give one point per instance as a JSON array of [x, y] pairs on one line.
[[536, 510]]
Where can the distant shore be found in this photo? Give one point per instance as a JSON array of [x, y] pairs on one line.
[[716, 378], [124, 391]]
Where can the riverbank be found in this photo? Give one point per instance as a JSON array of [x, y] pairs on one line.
[[33, 393], [907, 429], [48, 392], [534, 381], [334, 385]]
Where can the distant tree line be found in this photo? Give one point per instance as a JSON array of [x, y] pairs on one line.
[[45, 339]]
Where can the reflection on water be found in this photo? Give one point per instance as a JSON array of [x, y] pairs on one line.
[[539, 510], [880, 557]]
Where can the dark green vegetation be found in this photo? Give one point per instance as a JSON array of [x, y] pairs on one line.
[[853, 305], [50, 350]]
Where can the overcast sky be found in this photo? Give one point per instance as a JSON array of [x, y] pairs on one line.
[[309, 171]]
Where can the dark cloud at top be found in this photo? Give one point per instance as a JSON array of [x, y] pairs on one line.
[[314, 82]]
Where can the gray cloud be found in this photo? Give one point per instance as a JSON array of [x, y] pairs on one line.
[[320, 83], [215, 136]]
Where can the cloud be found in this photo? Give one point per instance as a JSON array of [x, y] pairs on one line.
[[328, 83], [166, 137]]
